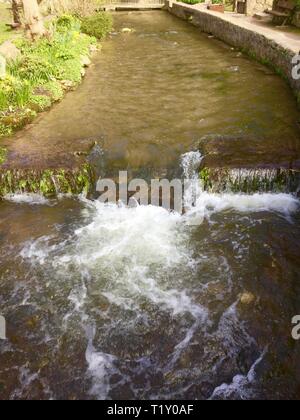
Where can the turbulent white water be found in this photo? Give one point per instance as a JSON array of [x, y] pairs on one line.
[[203, 204], [130, 274]]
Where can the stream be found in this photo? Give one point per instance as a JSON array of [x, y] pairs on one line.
[[107, 301]]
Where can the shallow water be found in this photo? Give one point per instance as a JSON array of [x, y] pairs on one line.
[[116, 302], [152, 94]]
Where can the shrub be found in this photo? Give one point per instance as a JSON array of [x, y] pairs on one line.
[[33, 68], [98, 25], [192, 1], [55, 90], [68, 23], [14, 92]]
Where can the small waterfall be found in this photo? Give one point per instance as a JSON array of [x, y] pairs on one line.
[[190, 164], [212, 190], [233, 180]]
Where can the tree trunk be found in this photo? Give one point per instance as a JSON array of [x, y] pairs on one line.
[[16, 12], [33, 19]]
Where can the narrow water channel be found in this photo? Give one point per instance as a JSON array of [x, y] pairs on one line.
[[105, 301]]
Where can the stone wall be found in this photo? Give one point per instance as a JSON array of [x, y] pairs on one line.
[[250, 41]]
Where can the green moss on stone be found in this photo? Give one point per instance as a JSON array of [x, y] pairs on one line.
[[49, 183]]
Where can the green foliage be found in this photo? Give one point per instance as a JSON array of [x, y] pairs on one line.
[[98, 25], [2, 155], [55, 90], [47, 182], [37, 78], [40, 102], [72, 71], [33, 68], [66, 23], [5, 32], [15, 119], [14, 92], [192, 1], [5, 131]]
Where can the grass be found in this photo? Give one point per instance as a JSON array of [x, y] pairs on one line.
[[44, 70], [2, 155], [5, 32]]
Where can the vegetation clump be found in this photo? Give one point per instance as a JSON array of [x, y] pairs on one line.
[[98, 25], [192, 1], [2, 155]]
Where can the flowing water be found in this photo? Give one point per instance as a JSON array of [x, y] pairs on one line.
[[109, 301]]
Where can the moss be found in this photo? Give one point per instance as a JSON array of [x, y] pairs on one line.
[[3, 153], [205, 178], [266, 62], [49, 183], [249, 180]]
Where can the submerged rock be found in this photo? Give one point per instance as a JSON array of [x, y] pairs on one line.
[[247, 298], [85, 61], [127, 30]]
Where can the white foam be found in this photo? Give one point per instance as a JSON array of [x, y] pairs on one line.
[[208, 204], [27, 198], [99, 366], [241, 385], [201, 204]]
